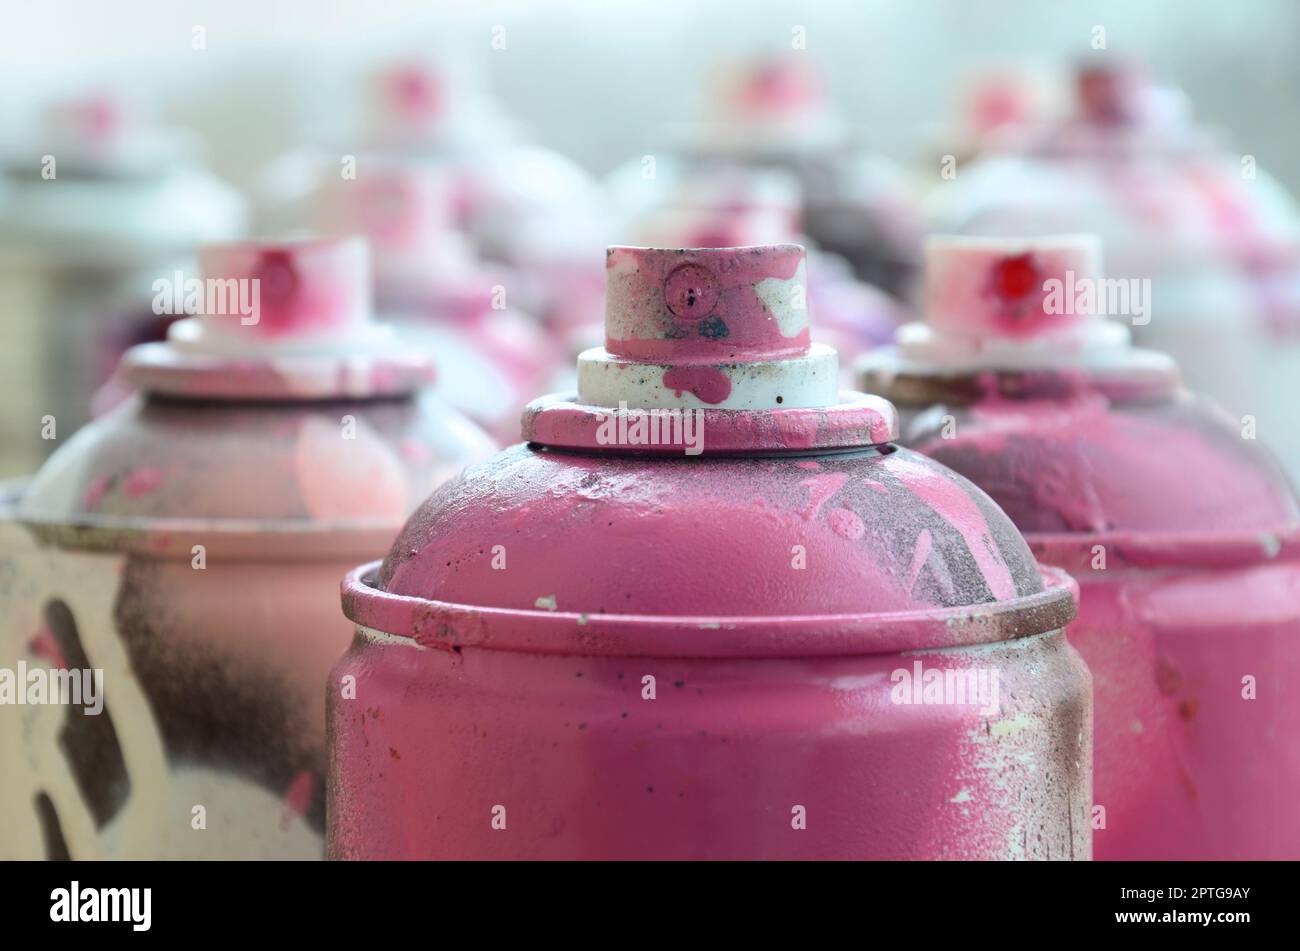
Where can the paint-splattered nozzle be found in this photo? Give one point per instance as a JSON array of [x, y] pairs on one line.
[[724, 327], [1008, 288], [706, 304], [281, 289], [280, 320]]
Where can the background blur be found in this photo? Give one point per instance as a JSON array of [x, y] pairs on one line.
[[600, 80]]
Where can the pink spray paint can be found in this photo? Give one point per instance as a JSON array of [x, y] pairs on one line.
[[1179, 527], [491, 357], [1218, 238], [188, 546], [708, 609]]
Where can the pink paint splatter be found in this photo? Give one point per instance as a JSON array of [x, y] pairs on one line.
[[820, 489], [846, 523], [709, 384], [142, 481], [95, 493], [944, 495]]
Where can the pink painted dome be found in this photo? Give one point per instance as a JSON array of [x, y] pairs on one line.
[[280, 405], [793, 510], [1014, 380]]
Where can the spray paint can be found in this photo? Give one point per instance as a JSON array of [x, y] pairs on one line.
[[1177, 524], [696, 615], [1216, 235], [187, 546]]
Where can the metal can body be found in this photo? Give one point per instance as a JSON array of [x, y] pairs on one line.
[[1183, 540], [210, 742], [200, 578], [500, 754], [648, 676], [1193, 757]]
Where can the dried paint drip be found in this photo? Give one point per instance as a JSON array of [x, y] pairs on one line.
[[765, 590]]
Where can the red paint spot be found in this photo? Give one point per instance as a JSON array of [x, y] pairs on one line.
[[709, 384], [1015, 277], [277, 289], [782, 86], [999, 104], [142, 481], [297, 798]]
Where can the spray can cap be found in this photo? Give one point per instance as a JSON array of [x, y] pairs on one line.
[[279, 319]]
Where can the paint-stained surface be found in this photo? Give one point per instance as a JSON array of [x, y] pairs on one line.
[[582, 648], [189, 544], [1183, 537]]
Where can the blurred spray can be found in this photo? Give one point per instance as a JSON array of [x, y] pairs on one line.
[[188, 547], [1218, 238], [1179, 527]]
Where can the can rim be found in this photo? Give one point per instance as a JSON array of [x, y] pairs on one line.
[[160, 368], [857, 420], [447, 626], [1133, 549], [167, 538]]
